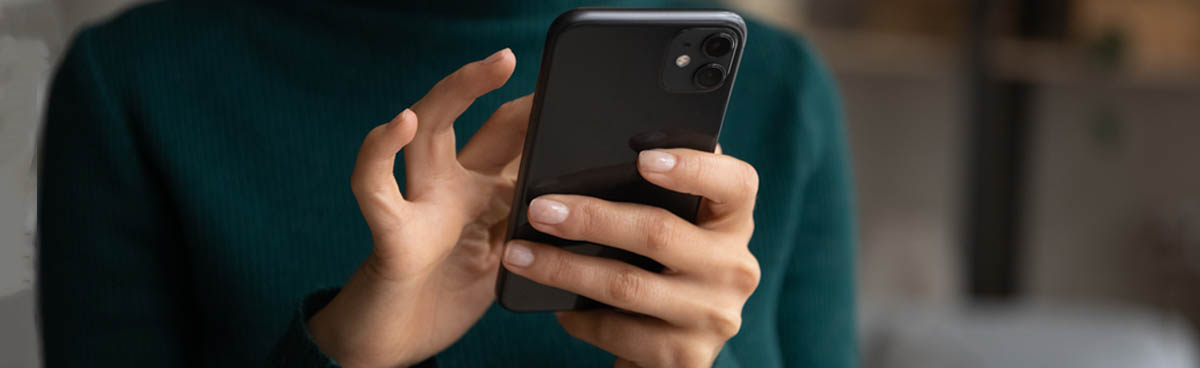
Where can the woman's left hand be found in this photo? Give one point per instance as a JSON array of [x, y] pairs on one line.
[[683, 315]]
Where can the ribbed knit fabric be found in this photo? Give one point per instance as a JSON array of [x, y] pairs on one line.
[[196, 164]]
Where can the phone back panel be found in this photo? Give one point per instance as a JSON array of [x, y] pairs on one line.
[[600, 100]]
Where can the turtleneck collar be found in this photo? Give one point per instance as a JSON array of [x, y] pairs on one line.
[[469, 8]]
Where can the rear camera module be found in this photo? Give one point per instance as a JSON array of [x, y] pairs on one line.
[[700, 59], [709, 76], [718, 45]]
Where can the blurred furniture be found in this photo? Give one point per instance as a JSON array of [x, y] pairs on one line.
[[1029, 336]]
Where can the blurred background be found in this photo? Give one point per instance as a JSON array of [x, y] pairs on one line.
[[1027, 172], [1028, 176]]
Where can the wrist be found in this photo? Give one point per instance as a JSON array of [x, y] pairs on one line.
[[366, 323]]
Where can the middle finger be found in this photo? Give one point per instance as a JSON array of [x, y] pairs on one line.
[[608, 281]]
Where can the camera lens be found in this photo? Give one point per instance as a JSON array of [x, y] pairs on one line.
[[718, 45], [709, 76]]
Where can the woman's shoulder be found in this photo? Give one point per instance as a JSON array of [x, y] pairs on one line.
[[163, 30], [167, 20]]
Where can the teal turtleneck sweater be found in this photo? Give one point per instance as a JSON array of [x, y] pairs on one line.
[[194, 198]]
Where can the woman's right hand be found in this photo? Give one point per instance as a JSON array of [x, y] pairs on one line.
[[437, 247]]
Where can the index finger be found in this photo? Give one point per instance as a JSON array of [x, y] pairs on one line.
[[432, 151], [730, 185]]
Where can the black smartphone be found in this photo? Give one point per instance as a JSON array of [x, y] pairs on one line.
[[614, 82]]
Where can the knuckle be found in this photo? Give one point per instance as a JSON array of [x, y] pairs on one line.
[[746, 276], [662, 353], [626, 286], [365, 190], [356, 186], [660, 232], [724, 323], [749, 178], [585, 219], [677, 356], [684, 355], [597, 218], [700, 168], [559, 272], [668, 353]]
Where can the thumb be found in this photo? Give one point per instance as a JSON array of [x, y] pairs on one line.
[[374, 181]]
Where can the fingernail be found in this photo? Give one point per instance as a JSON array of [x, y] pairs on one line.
[[517, 254], [656, 161], [547, 211], [495, 57]]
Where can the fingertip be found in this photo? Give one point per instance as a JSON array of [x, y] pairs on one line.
[[516, 117], [504, 61], [403, 118], [404, 126], [500, 66], [509, 58], [480, 77], [497, 56]]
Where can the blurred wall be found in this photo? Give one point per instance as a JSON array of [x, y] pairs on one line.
[[1115, 200], [1114, 205]]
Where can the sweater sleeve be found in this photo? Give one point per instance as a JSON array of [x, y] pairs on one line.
[[816, 308], [111, 275], [113, 269], [297, 348]]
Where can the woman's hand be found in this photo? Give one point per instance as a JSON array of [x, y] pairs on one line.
[[436, 247], [684, 314]]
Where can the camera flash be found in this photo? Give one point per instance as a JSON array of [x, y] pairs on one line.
[[683, 60]]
